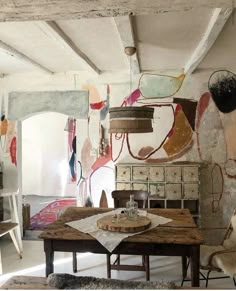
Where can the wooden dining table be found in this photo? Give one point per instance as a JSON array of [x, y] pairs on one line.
[[179, 237]]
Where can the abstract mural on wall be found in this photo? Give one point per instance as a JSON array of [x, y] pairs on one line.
[[229, 123], [159, 86], [71, 129], [222, 85], [3, 125], [217, 125], [13, 147], [217, 186], [7, 134], [173, 124], [177, 124], [211, 148], [95, 153]]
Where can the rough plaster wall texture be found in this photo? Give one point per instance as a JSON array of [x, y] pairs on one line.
[[213, 146], [24, 104], [213, 236], [211, 136], [213, 224]]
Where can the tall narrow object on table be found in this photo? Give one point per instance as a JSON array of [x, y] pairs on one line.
[[132, 208]]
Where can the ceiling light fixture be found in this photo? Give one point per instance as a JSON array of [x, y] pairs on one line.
[[131, 119]]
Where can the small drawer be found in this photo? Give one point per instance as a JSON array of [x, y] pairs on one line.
[[140, 186], [123, 173], [173, 191], [173, 174], [191, 191], [190, 174], [156, 174], [140, 174], [123, 186], [157, 190]]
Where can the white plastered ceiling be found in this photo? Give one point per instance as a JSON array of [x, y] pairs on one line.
[[186, 41]]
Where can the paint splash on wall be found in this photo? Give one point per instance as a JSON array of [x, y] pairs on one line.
[[159, 86], [222, 85]]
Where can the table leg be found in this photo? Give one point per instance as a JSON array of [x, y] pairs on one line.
[[74, 259], [108, 266], [195, 257], [184, 266], [49, 253], [147, 267], [0, 263]]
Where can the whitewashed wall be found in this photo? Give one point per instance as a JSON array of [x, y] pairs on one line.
[[45, 168]]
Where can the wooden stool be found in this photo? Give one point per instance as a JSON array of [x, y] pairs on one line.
[[11, 225]]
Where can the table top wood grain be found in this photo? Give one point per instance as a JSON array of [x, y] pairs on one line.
[[181, 230]]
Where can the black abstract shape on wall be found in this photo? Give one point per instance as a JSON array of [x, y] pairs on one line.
[[222, 86], [189, 108]]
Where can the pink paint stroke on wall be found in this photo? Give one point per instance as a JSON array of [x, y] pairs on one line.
[[229, 121], [201, 108]]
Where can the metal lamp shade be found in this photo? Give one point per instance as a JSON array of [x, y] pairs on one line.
[[131, 119]]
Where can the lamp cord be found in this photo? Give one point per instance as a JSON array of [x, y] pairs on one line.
[[232, 12], [130, 75]]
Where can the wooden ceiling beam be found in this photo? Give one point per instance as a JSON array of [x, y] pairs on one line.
[[59, 35], [125, 29], [12, 51], [24, 10], [216, 24]]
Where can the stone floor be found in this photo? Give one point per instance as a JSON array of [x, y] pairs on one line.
[[33, 264]]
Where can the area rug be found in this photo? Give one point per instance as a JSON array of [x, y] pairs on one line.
[[50, 213], [67, 281]]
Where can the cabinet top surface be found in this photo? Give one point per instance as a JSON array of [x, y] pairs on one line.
[[160, 165]]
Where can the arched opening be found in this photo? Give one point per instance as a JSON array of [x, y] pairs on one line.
[[46, 179]]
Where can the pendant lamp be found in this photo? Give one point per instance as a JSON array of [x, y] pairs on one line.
[[131, 119]]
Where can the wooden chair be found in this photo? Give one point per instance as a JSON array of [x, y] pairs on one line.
[[221, 257], [120, 198], [102, 204]]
